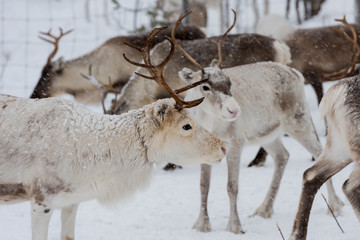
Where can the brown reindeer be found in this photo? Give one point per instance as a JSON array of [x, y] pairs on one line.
[[319, 52], [64, 77]]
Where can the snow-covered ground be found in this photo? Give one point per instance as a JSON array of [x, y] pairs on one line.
[[170, 206]]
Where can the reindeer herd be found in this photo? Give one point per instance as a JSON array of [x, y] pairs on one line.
[[184, 98]]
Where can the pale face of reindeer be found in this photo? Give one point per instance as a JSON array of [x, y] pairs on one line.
[[217, 92], [181, 140]]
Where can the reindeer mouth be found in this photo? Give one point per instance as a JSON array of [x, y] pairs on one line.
[[230, 118]]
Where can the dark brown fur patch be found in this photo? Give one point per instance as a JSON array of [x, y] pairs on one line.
[[223, 86], [237, 49], [40, 191], [10, 192], [352, 98], [43, 86]]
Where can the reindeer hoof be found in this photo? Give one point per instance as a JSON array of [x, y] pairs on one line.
[[171, 167], [257, 163], [202, 225], [235, 228], [259, 159]]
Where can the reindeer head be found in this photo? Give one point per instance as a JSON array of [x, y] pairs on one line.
[[179, 139], [218, 100], [217, 89], [51, 68]]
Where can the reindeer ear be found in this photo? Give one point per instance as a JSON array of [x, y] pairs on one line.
[[161, 109], [214, 63], [186, 74]]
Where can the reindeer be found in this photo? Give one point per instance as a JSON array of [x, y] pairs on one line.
[[63, 77], [321, 54], [341, 109], [58, 153], [250, 104]]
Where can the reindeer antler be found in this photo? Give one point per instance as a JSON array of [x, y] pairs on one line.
[[222, 39], [55, 41], [173, 40], [157, 71], [349, 71], [105, 89]]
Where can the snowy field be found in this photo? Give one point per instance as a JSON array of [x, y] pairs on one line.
[[170, 206]]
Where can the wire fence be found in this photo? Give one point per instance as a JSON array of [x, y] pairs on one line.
[[23, 54]]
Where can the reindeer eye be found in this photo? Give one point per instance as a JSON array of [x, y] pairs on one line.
[[205, 88], [187, 127]]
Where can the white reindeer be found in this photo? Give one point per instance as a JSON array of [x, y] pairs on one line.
[[251, 104], [57, 153], [340, 107]]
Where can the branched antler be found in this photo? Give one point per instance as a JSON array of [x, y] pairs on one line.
[[53, 40], [219, 43], [105, 89], [349, 71], [157, 71], [181, 17]]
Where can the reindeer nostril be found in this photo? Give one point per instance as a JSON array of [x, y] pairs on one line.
[[232, 111], [223, 150]]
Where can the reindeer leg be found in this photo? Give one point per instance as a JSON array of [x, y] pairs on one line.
[[280, 156], [40, 218], [202, 224], [259, 159], [351, 188], [68, 217], [313, 78], [303, 131], [313, 178], [233, 162]]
